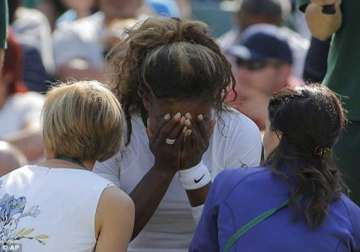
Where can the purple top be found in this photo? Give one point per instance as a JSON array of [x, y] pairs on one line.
[[237, 196]]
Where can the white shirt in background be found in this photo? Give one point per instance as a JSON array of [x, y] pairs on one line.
[[81, 39], [235, 143], [32, 27], [19, 110], [47, 209], [84, 39]]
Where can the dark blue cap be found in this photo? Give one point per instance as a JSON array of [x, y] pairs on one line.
[[260, 44]]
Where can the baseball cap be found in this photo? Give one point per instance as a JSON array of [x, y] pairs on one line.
[[262, 43]]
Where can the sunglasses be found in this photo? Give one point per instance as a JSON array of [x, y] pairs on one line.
[[255, 65]]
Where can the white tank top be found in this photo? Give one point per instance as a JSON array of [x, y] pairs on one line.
[[52, 210]]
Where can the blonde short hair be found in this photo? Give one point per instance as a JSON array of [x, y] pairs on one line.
[[83, 120]]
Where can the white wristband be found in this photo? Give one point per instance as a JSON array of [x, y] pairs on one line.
[[195, 177]]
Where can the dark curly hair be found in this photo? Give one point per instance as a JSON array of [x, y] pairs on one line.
[[310, 120], [168, 58]]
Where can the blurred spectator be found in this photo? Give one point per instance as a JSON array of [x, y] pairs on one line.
[[10, 158], [52, 9], [262, 65], [77, 9], [80, 48], [19, 109], [185, 8], [3, 29], [272, 12], [32, 27], [166, 8], [33, 33], [297, 21], [342, 75]]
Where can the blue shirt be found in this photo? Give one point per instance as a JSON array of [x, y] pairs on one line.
[[237, 196]]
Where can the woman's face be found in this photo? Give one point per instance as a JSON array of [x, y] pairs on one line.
[[271, 139], [158, 108]]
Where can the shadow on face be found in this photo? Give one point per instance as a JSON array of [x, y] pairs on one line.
[[160, 107]]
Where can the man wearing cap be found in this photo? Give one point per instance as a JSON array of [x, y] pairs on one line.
[[3, 29], [262, 65], [341, 21], [267, 12]]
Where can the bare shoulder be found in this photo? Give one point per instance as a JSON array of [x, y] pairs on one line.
[[114, 198], [115, 207]]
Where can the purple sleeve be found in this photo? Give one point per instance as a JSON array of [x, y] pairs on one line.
[[206, 234], [354, 213]]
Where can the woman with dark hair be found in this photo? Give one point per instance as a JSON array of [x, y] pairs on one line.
[[171, 79], [296, 201]]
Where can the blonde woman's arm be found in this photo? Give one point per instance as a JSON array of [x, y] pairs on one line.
[[114, 221]]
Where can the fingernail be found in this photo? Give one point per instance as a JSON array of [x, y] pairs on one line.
[[177, 116], [167, 117], [188, 116], [187, 122], [200, 117]]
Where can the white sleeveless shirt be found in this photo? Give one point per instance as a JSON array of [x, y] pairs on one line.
[[43, 209]]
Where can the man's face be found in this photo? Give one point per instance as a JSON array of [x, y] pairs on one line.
[[120, 8], [263, 77], [256, 81]]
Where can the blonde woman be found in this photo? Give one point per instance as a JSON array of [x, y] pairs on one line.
[[59, 204]]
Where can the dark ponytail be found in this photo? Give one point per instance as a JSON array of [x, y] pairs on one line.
[[310, 120]]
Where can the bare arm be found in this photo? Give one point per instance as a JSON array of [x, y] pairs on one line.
[[321, 25], [202, 129], [153, 186], [148, 194], [29, 141], [114, 221]]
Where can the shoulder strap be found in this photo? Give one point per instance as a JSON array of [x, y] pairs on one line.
[[255, 221]]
